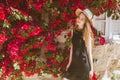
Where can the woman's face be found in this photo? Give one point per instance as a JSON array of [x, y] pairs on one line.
[[80, 21]]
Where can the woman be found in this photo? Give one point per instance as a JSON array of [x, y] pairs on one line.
[[80, 66]]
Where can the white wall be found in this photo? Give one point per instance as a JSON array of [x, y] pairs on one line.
[[106, 25]]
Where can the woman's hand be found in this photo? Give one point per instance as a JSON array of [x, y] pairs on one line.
[[66, 68], [91, 74]]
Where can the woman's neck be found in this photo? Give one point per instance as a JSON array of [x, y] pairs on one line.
[[79, 29]]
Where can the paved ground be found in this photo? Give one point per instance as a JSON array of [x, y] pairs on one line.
[[43, 77]]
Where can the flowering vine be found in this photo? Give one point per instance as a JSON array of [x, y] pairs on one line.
[[28, 31]]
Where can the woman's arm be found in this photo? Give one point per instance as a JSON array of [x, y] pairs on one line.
[[70, 57], [71, 48], [89, 48]]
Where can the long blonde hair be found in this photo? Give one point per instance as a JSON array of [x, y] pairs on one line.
[[88, 34]]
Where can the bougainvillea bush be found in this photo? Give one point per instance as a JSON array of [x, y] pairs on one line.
[[28, 31]]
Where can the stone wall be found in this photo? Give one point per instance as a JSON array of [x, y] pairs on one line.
[[107, 61]]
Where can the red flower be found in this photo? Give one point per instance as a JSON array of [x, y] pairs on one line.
[[36, 31], [63, 2], [66, 19], [6, 73], [24, 13], [110, 4], [29, 73], [58, 32], [38, 6], [37, 71], [13, 48], [102, 40], [20, 37], [24, 52], [73, 7], [41, 44], [89, 1], [32, 63], [55, 75], [25, 26], [69, 34], [73, 16], [48, 38], [6, 68], [4, 31], [2, 15], [3, 38], [35, 45], [48, 65], [101, 10], [54, 25], [51, 47], [73, 21], [77, 4], [81, 6], [2, 12], [66, 2], [94, 77]]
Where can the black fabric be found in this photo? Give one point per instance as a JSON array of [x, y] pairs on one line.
[[80, 66]]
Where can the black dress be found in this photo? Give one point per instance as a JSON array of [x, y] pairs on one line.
[[80, 66]]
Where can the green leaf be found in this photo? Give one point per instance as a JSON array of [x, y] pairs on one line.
[[16, 66], [19, 78], [59, 58], [17, 17], [1, 56], [6, 25], [1, 71], [109, 13]]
